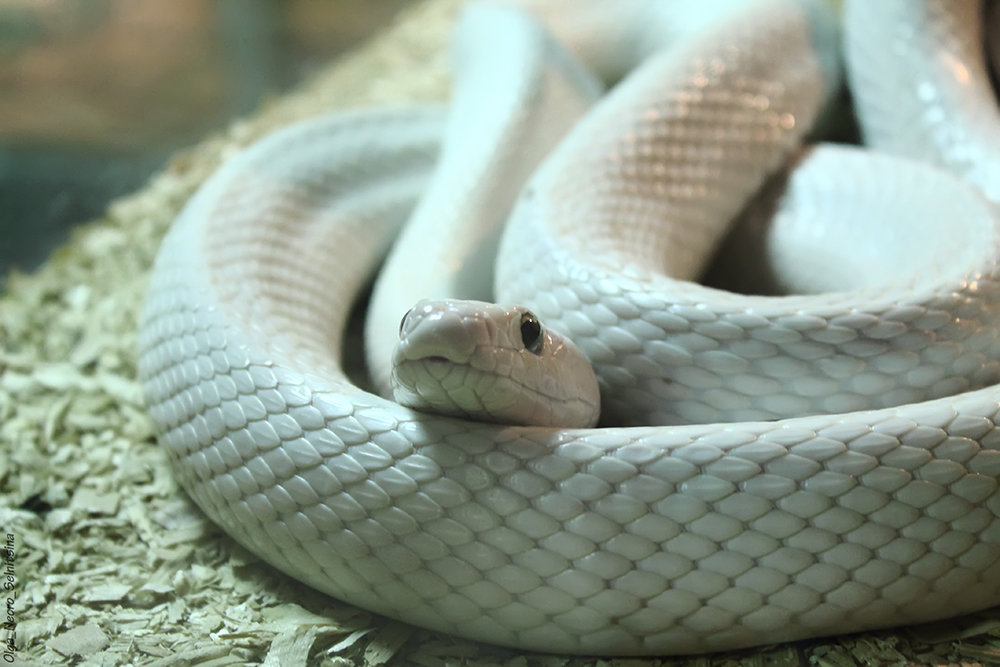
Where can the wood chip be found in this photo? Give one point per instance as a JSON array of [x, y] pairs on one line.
[[386, 643], [94, 502], [292, 647], [82, 640], [112, 592]]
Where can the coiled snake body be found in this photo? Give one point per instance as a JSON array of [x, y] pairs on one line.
[[677, 538]]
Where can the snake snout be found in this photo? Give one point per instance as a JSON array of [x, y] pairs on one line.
[[438, 330]]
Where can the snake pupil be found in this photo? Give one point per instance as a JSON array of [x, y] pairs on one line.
[[531, 333]]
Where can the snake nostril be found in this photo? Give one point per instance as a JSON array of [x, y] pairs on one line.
[[402, 322]]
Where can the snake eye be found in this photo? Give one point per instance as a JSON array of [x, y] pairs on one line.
[[531, 333]]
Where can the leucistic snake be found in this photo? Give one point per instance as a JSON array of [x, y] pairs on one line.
[[815, 463]]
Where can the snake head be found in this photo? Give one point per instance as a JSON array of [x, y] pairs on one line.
[[494, 363]]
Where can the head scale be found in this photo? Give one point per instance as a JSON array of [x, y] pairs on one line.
[[494, 363]]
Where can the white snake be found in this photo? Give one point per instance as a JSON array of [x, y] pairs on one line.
[[624, 540]]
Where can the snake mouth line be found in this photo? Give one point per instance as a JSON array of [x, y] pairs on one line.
[[436, 365], [438, 359]]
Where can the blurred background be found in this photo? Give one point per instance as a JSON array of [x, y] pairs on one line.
[[96, 94]]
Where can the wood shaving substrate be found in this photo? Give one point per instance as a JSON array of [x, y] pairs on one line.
[[112, 564]]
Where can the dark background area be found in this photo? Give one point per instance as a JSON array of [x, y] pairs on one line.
[[96, 94]]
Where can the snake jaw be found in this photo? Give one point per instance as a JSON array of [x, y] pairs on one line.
[[471, 359]]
